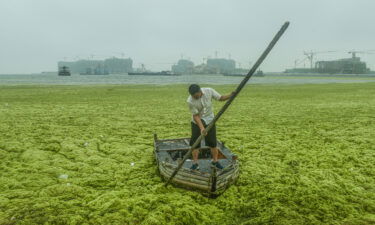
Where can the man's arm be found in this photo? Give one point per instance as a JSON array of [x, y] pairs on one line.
[[226, 97], [218, 97], [196, 117], [198, 121]]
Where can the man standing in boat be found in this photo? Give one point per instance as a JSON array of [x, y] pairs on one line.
[[200, 105]]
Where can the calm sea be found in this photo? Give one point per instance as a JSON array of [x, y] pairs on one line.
[[76, 79]]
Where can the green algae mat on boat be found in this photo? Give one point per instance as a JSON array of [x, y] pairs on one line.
[[83, 155]]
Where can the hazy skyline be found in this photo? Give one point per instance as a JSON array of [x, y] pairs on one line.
[[38, 33]]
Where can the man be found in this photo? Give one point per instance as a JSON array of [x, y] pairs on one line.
[[200, 106]]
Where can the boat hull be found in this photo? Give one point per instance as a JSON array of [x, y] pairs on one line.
[[210, 180]]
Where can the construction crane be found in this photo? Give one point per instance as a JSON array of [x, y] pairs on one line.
[[298, 62], [310, 56], [122, 54], [353, 52]]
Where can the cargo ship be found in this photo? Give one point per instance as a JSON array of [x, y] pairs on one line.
[[162, 73], [259, 73]]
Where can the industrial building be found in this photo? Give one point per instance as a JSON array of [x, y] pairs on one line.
[[213, 66], [342, 66], [352, 65], [183, 66], [220, 65], [111, 65]]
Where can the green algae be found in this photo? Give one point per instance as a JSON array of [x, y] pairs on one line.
[[306, 151]]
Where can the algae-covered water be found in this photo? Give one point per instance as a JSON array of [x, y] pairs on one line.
[[83, 155]]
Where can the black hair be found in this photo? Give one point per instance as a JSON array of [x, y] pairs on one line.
[[194, 88]]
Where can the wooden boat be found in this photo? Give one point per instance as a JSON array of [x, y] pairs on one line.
[[208, 179]]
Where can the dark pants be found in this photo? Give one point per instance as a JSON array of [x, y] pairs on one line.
[[210, 138]]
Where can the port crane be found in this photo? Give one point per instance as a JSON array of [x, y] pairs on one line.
[[310, 56]]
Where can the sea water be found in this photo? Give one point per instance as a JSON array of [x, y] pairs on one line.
[[76, 79]]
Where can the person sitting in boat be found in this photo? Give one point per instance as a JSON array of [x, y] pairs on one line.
[[200, 106]]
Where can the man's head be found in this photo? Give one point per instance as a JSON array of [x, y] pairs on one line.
[[195, 91]]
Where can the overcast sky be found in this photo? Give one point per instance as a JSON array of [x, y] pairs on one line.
[[35, 34]]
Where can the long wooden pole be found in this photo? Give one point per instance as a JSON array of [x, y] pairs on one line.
[[236, 92]]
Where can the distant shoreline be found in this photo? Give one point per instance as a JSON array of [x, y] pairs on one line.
[[275, 74]]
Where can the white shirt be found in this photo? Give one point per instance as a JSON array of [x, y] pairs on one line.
[[203, 105]]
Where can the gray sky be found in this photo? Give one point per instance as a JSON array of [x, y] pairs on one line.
[[38, 33]]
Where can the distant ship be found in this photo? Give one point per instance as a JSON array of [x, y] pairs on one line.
[[162, 73], [64, 71], [259, 73]]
